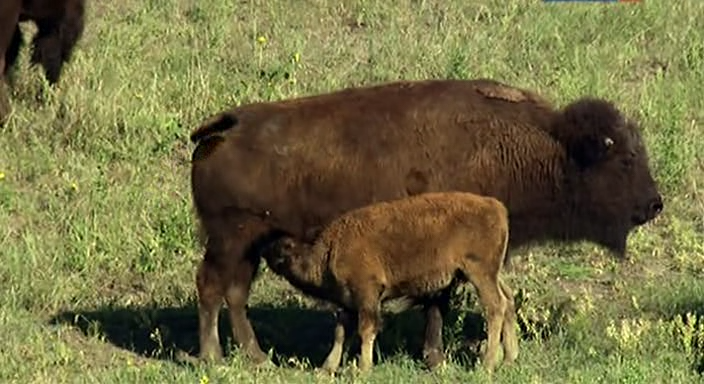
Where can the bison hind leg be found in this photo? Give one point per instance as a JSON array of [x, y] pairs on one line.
[[226, 272]]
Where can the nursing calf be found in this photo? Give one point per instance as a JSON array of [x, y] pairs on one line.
[[59, 27], [412, 248]]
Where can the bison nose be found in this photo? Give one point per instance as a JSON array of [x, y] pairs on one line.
[[655, 206]]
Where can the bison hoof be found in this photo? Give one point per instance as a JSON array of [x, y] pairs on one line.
[[211, 355], [433, 358]]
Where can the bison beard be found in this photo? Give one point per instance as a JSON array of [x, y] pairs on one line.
[[571, 174]]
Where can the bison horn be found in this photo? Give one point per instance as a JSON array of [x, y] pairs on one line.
[[608, 141]]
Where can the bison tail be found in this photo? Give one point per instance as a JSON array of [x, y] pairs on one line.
[[219, 123]]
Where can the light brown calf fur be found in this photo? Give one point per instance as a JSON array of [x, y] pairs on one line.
[[409, 248]]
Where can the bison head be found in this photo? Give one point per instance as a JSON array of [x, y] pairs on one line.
[[610, 185]]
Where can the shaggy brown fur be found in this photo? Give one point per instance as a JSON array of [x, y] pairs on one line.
[[60, 25], [409, 248], [576, 173]]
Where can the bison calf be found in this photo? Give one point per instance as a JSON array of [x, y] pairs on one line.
[[411, 248]]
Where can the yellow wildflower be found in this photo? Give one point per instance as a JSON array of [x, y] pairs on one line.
[[261, 40], [2, 175], [204, 379]]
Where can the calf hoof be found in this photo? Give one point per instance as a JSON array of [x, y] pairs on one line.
[[324, 372], [433, 358], [489, 366], [330, 368], [362, 368], [259, 358], [264, 365], [510, 357]]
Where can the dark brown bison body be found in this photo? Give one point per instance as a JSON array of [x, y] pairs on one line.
[[59, 27], [259, 170]]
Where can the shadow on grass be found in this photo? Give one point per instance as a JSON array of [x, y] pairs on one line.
[[292, 332]]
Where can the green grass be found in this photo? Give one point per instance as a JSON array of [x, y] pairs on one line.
[[97, 241]]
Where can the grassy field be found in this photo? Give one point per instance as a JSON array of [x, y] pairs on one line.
[[97, 239]]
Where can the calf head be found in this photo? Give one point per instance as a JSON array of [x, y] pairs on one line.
[[610, 186], [283, 255]]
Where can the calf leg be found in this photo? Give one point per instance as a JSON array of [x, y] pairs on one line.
[[435, 311], [332, 362], [367, 300], [368, 327], [510, 339]]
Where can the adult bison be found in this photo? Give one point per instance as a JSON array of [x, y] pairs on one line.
[[59, 27], [576, 173]]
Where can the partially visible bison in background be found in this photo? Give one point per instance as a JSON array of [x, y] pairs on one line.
[[576, 173], [409, 249], [60, 25]]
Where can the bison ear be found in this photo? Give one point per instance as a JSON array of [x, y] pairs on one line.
[[591, 150], [586, 127]]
